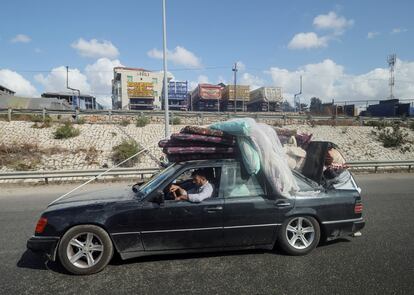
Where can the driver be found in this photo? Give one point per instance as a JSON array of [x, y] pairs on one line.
[[199, 191]]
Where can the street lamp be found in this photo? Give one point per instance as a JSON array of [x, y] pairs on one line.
[[234, 69], [164, 37]]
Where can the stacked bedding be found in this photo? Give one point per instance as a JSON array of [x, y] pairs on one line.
[[198, 143]]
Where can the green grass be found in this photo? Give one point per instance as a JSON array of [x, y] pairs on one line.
[[66, 131], [142, 121], [175, 121], [123, 151]]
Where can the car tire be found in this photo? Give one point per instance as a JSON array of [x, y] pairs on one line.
[[85, 249], [299, 235]]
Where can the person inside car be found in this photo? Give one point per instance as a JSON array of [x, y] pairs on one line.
[[200, 190]]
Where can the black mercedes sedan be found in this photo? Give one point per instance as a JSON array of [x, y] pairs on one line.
[[83, 231]]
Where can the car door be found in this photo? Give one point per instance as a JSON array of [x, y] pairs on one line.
[[251, 217], [175, 225]]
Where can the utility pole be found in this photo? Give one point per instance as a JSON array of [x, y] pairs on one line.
[[73, 89], [164, 37], [235, 86], [296, 98], [392, 58]]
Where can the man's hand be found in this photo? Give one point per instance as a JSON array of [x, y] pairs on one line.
[[183, 193], [174, 188]]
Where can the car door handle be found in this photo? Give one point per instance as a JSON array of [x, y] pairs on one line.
[[283, 204], [213, 209]]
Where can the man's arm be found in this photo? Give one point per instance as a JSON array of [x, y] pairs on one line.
[[206, 192]]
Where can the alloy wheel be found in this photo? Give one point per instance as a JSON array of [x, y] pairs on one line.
[[85, 250], [300, 233]]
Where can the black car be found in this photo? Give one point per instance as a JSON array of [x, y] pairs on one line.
[[84, 230]]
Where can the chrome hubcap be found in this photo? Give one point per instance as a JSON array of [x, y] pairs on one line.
[[84, 250], [300, 233]]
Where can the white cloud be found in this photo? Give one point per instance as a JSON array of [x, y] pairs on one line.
[[95, 48], [307, 41], [17, 83], [178, 56], [241, 66], [328, 80], [96, 79], [100, 75], [332, 21], [372, 35], [252, 80], [21, 38], [200, 80], [203, 79], [398, 30], [55, 81]]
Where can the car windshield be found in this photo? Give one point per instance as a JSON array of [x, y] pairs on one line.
[[149, 186]]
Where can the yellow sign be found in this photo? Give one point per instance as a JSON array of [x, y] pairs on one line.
[[140, 89]]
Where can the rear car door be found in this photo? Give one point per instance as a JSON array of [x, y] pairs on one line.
[[176, 225], [251, 217]]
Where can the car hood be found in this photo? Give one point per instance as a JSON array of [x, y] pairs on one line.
[[103, 195]]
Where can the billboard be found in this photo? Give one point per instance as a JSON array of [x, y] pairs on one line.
[[140, 89], [207, 92]]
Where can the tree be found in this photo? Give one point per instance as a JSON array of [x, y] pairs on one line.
[[287, 107], [303, 107], [315, 105]]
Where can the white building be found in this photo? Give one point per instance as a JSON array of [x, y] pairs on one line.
[[136, 88]]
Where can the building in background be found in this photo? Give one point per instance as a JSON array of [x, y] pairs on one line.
[[390, 108], [238, 100], [177, 96], [137, 89], [206, 97], [19, 102], [265, 99], [83, 102], [6, 91]]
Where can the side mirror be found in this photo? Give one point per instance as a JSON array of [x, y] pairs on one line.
[[158, 197]]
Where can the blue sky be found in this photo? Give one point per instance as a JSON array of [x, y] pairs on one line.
[[340, 47]]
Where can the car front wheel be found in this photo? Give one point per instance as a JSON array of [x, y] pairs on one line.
[[299, 235], [85, 249]]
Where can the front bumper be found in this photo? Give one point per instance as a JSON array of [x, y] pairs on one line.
[[45, 245]]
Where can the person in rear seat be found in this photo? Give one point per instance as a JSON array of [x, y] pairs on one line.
[[201, 189]]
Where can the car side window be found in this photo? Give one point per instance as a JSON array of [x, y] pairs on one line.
[[185, 181], [236, 185]]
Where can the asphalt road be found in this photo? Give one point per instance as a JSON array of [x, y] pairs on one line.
[[379, 262]]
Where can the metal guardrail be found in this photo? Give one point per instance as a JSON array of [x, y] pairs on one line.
[[377, 164], [46, 175], [149, 171], [185, 114]]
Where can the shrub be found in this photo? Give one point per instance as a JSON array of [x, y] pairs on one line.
[[124, 122], [123, 151], [175, 121], [66, 131], [142, 121], [36, 118], [20, 156], [381, 124], [392, 137], [80, 121]]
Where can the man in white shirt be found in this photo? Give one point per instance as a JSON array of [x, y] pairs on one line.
[[202, 189]]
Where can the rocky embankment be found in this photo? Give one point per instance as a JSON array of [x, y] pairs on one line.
[[92, 148]]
